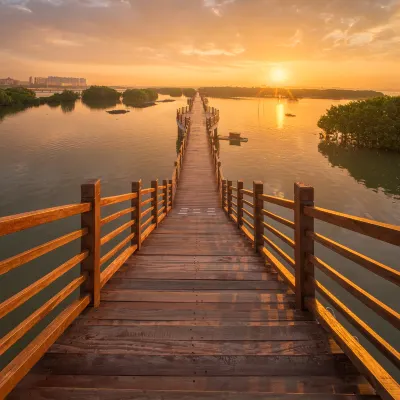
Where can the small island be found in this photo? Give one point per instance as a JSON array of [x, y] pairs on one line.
[[372, 123]]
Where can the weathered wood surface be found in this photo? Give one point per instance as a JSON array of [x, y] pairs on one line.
[[195, 314]]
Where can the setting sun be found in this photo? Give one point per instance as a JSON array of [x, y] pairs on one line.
[[278, 75]]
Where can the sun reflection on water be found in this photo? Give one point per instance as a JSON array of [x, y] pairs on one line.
[[280, 115]]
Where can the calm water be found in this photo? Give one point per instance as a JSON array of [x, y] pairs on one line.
[[46, 153]]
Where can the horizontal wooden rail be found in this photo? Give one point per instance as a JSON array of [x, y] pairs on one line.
[[233, 188], [364, 362], [279, 251], [234, 197], [278, 201], [161, 188], [107, 201], [106, 275], [147, 232], [392, 354], [247, 192], [105, 239], [19, 222], [250, 204], [30, 255], [285, 274], [24, 295], [147, 221], [143, 203], [376, 267], [279, 234], [377, 230], [116, 248], [370, 301], [144, 213], [277, 218], [21, 329], [116, 215], [247, 233], [160, 202], [248, 213], [161, 210], [248, 223], [28, 357], [147, 191]]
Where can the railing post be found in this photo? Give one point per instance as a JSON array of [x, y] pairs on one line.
[[154, 196], [90, 266], [219, 177], [304, 245], [258, 188], [137, 188], [171, 188], [177, 173], [229, 186], [165, 191], [223, 193], [239, 203]]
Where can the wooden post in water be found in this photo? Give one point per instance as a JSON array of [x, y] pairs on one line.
[[137, 188], [258, 188], [154, 196], [165, 191], [90, 266], [304, 245], [239, 203], [229, 186]]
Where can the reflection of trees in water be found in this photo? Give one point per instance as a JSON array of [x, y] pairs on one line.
[[5, 111], [68, 107], [101, 104], [374, 168]]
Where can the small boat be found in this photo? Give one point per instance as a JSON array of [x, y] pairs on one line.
[[234, 137], [290, 115], [118, 111]]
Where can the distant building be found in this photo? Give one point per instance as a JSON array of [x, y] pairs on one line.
[[31, 80], [59, 81], [9, 82], [40, 81]]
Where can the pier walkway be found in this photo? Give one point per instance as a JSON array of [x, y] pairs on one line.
[[195, 313]]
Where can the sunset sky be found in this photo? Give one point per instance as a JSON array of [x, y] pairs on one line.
[[312, 43]]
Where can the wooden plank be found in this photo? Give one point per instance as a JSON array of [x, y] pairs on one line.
[[29, 255], [376, 267], [385, 385], [370, 301], [189, 285], [172, 365], [280, 235], [241, 296], [27, 358], [19, 222], [279, 251], [147, 232], [147, 191], [129, 394], [24, 295], [107, 201], [273, 332], [377, 230]]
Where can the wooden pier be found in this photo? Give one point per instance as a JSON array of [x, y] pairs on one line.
[[195, 303]]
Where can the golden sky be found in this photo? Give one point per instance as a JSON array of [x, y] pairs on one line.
[[316, 43]]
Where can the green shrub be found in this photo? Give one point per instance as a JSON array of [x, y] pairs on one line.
[[100, 93]]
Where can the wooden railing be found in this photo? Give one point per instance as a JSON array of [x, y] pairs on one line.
[[146, 208], [246, 208]]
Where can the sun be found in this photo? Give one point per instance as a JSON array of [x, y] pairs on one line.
[[278, 75]]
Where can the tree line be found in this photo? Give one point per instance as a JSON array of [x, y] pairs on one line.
[[372, 123]]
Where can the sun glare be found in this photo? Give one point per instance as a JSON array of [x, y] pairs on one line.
[[278, 75]]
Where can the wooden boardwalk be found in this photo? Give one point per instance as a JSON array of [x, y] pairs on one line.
[[195, 314]]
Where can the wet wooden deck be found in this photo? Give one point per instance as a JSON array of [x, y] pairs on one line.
[[196, 314]]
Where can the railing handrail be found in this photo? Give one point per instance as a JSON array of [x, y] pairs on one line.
[[92, 277], [302, 281]]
